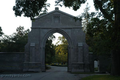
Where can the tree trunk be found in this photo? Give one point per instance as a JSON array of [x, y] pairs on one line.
[[116, 40], [115, 63]]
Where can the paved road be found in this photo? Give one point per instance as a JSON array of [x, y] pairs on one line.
[[55, 73]]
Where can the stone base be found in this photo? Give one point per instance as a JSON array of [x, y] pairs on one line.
[[87, 67], [32, 66], [79, 67]]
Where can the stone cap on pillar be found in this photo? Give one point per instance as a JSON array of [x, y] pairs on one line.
[[56, 8]]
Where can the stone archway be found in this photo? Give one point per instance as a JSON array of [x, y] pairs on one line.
[[42, 27], [44, 42]]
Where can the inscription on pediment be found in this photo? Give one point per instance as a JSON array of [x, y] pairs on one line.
[[56, 18]]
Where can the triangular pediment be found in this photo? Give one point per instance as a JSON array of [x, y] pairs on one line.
[[55, 18], [55, 12]]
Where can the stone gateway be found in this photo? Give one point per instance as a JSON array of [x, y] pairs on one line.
[[46, 25]]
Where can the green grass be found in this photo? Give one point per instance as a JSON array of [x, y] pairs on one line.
[[102, 77]]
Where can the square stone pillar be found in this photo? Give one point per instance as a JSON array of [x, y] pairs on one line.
[[80, 52], [32, 52], [32, 65]]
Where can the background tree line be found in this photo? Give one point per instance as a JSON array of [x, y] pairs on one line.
[[14, 42]]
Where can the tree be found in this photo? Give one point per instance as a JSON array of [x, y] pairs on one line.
[[85, 17], [1, 33], [110, 10], [49, 50], [30, 8], [98, 37], [61, 53], [116, 40], [61, 50], [104, 33], [75, 4], [14, 42]]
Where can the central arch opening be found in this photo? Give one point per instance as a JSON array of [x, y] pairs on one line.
[[56, 52]]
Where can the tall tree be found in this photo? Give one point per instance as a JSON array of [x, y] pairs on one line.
[[30, 8], [110, 10], [97, 35], [49, 50], [85, 17], [116, 40], [105, 32], [61, 50]]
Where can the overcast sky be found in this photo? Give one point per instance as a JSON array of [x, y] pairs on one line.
[[9, 22]]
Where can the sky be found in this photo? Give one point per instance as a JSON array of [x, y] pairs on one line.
[[9, 22]]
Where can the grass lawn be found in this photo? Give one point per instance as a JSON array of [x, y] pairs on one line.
[[102, 77]]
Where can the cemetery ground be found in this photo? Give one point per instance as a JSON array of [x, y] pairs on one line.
[[56, 73]]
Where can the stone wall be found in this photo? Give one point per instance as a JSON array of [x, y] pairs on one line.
[[11, 61], [104, 62], [14, 61]]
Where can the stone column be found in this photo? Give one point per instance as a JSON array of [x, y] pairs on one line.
[[32, 65], [32, 52], [70, 50], [78, 66], [43, 59], [80, 52]]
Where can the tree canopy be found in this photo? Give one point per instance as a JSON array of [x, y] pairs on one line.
[[103, 31], [1, 33], [50, 50], [61, 50], [33, 8], [30, 8]]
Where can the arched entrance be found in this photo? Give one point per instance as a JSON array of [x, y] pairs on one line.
[[42, 28], [44, 42]]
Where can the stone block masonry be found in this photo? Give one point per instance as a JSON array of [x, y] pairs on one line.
[[11, 61]]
